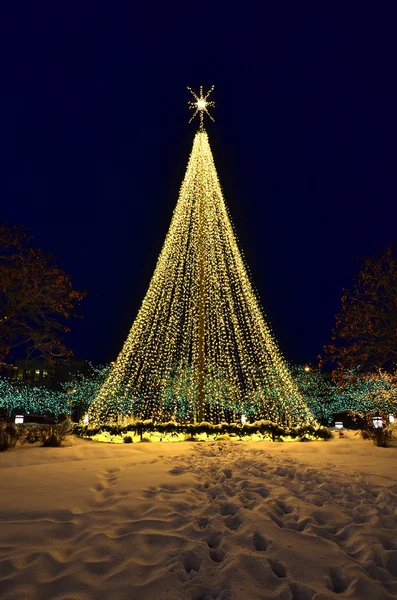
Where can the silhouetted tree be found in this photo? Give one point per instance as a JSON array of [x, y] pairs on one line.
[[36, 299], [365, 332]]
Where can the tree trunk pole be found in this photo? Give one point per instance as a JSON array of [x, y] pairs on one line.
[[201, 395]]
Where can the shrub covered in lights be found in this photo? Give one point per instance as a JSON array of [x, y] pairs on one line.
[[369, 395], [20, 396], [366, 395], [320, 393], [84, 387]]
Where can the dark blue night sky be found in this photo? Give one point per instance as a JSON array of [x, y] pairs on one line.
[[95, 140]]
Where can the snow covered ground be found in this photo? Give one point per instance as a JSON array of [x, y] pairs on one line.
[[226, 520]]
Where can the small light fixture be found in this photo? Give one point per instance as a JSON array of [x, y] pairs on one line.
[[391, 418], [307, 368], [86, 418], [377, 421], [338, 425], [243, 419], [19, 418]]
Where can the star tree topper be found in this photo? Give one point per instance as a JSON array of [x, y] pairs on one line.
[[200, 106]]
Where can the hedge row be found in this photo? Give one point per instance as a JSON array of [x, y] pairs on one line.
[[264, 428]]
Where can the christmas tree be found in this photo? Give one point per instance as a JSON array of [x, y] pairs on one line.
[[200, 348]]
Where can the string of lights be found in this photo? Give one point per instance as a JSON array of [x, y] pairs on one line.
[[200, 348]]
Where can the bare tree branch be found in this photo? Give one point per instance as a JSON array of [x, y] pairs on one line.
[[36, 299]]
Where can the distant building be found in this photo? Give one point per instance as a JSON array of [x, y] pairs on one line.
[[39, 373]]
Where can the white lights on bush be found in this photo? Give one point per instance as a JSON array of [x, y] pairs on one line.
[[85, 419], [19, 418], [391, 418], [338, 425], [243, 419], [377, 421]]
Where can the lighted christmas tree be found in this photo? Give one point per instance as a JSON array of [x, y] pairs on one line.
[[199, 348]]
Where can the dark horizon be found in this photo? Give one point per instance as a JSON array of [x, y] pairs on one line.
[[95, 142]]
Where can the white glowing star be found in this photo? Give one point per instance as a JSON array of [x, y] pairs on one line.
[[200, 106]]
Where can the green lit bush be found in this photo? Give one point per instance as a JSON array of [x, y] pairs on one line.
[[20, 396]]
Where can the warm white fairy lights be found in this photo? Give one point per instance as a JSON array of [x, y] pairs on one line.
[[201, 105], [199, 348]]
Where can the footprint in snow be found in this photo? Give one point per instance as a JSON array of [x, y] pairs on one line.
[[202, 522], [191, 561], [337, 583], [260, 542], [217, 556], [301, 591], [177, 470], [214, 539], [233, 523], [278, 568], [228, 509]]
